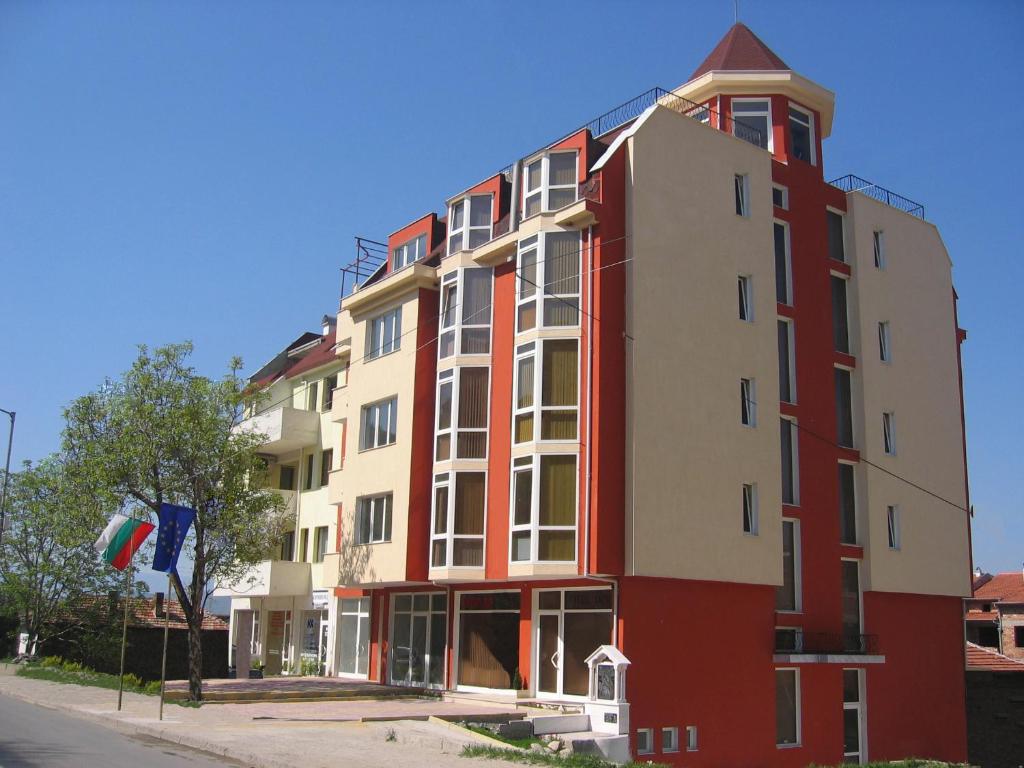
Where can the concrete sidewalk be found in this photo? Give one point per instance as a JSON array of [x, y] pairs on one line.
[[276, 735]]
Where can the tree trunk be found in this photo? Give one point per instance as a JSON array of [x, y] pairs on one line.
[[195, 656]]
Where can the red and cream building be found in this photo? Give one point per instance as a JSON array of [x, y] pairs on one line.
[[660, 385]]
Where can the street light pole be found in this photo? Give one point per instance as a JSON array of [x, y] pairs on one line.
[[7, 474]]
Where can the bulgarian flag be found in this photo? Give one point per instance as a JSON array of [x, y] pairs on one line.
[[120, 539]]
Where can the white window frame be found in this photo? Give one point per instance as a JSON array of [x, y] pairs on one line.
[[691, 738], [390, 424], [798, 708], [376, 334], [795, 445], [363, 537], [531, 463], [451, 321], [670, 739], [461, 236], [361, 610], [749, 511], [648, 735], [856, 504], [453, 376], [741, 194], [893, 528], [783, 193], [745, 290], [791, 361], [449, 480], [884, 342], [409, 252], [788, 257], [320, 542], [846, 250], [748, 402], [878, 244], [544, 190], [535, 349], [810, 129], [889, 432], [445, 377], [861, 707], [738, 111], [798, 586], [527, 292]]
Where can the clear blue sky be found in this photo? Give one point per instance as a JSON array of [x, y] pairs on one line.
[[196, 170]]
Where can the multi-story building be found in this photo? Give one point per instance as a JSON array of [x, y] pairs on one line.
[[660, 385], [994, 614]]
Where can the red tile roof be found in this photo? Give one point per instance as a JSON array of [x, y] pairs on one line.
[[322, 354], [740, 49], [141, 613], [981, 616], [989, 659], [1003, 587]]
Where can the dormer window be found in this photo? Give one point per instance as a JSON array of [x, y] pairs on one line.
[[801, 134], [752, 121], [469, 223], [409, 252], [550, 183]]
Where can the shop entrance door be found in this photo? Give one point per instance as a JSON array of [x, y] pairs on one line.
[[570, 625], [275, 643], [418, 630]]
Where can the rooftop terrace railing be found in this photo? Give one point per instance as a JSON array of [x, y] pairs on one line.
[[851, 183], [370, 256]]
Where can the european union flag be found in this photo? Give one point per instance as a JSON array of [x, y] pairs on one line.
[[174, 524]]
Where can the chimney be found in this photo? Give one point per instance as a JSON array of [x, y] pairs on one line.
[[328, 322], [158, 605]]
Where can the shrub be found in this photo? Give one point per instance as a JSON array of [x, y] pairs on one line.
[[51, 661], [132, 680], [152, 688], [74, 666]]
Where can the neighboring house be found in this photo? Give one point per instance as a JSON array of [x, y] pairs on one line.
[[627, 391], [995, 698], [146, 620], [994, 615]]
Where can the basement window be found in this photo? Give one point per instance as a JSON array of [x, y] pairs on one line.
[[645, 741]]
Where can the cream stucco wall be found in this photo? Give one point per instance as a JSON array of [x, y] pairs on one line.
[[688, 453], [914, 294]]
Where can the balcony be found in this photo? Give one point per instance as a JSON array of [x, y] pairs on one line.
[[286, 429], [826, 644], [269, 578], [851, 183]]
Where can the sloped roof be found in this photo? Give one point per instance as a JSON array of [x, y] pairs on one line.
[[989, 659], [322, 354], [141, 613], [1002, 588], [741, 50]]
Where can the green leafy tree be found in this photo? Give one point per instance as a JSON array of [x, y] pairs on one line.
[[164, 434], [49, 571]]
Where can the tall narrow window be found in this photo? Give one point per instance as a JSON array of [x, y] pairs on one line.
[[836, 238], [329, 384], [559, 390], [789, 458], [847, 505], [879, 243], [751, 121], [742, 193], [449, 314], [307, 473], [445, 405], [458, 530], [456, 226], [884, 343], [787, 597], [471, 442], [892, 514], [840, 318], [782, 264], [851, 605], [522, 509], [524, 393], [384, 333], [787, 367], [326, 465], [787, 707], [853, 718], [526, 279], [304, 545], [476, 311], [561, 278], [844, 408], [670, 739], [745, 285], [748, 403], [889, 432], [749, 509], [319, 543], [801, 134]]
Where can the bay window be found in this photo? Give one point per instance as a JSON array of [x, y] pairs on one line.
[[543, 508], [558, 398], [466, 326], [469, 222], [457, 533], [551, 261], [462, 405], [550, 182]]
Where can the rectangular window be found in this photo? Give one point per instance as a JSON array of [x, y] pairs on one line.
[[751, 121], [307, 475], [379, 425], [847, 505], [561, 279], [836, 239], [319, 543], [889, 432], [742, 194], [851, 605], [788, 640], [749, 509], [524, 394], [748, 403], [787, 364], [787, 707], [787, 430], [457, 536], [670, 739], [472, 407], [475, 318], [445, 405], [892, 516], [691, 738], [550, 183], [373, 525], [844, 408], [884, 343], [311, 401], [329, 384], [409, 252], [645, 741], [840, 317], [472, 230], [853, 714], [1018, 637], [787, 597], [449, 316], [801, 134], [527, 277], [326, 465], [879, 243], [559, 401], [288, 546], [544, 508], [304, 545], [286, 482], [384, 334], [783, 294], [780, 196], [745, 286]]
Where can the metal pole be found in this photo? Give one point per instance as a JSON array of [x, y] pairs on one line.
[[167, 626], [124, 626], [7, 475]]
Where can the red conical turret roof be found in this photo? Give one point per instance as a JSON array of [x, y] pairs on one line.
[[740, 49]]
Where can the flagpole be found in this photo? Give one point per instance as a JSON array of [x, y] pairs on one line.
[[124, 626], [167, 626]]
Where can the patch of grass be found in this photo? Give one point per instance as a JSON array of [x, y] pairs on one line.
[[521, 743], [542, 758], [57, 670]]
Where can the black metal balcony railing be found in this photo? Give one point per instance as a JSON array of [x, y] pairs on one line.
[[851, 183], [371, 255], [823, 643]]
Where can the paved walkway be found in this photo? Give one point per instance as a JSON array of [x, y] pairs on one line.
[[278, 734]]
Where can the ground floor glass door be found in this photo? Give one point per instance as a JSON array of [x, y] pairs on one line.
[[354, 628], [570, 625], [418, 631], [278, 624]]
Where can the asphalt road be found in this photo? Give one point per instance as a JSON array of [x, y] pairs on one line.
[[36, 737]]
